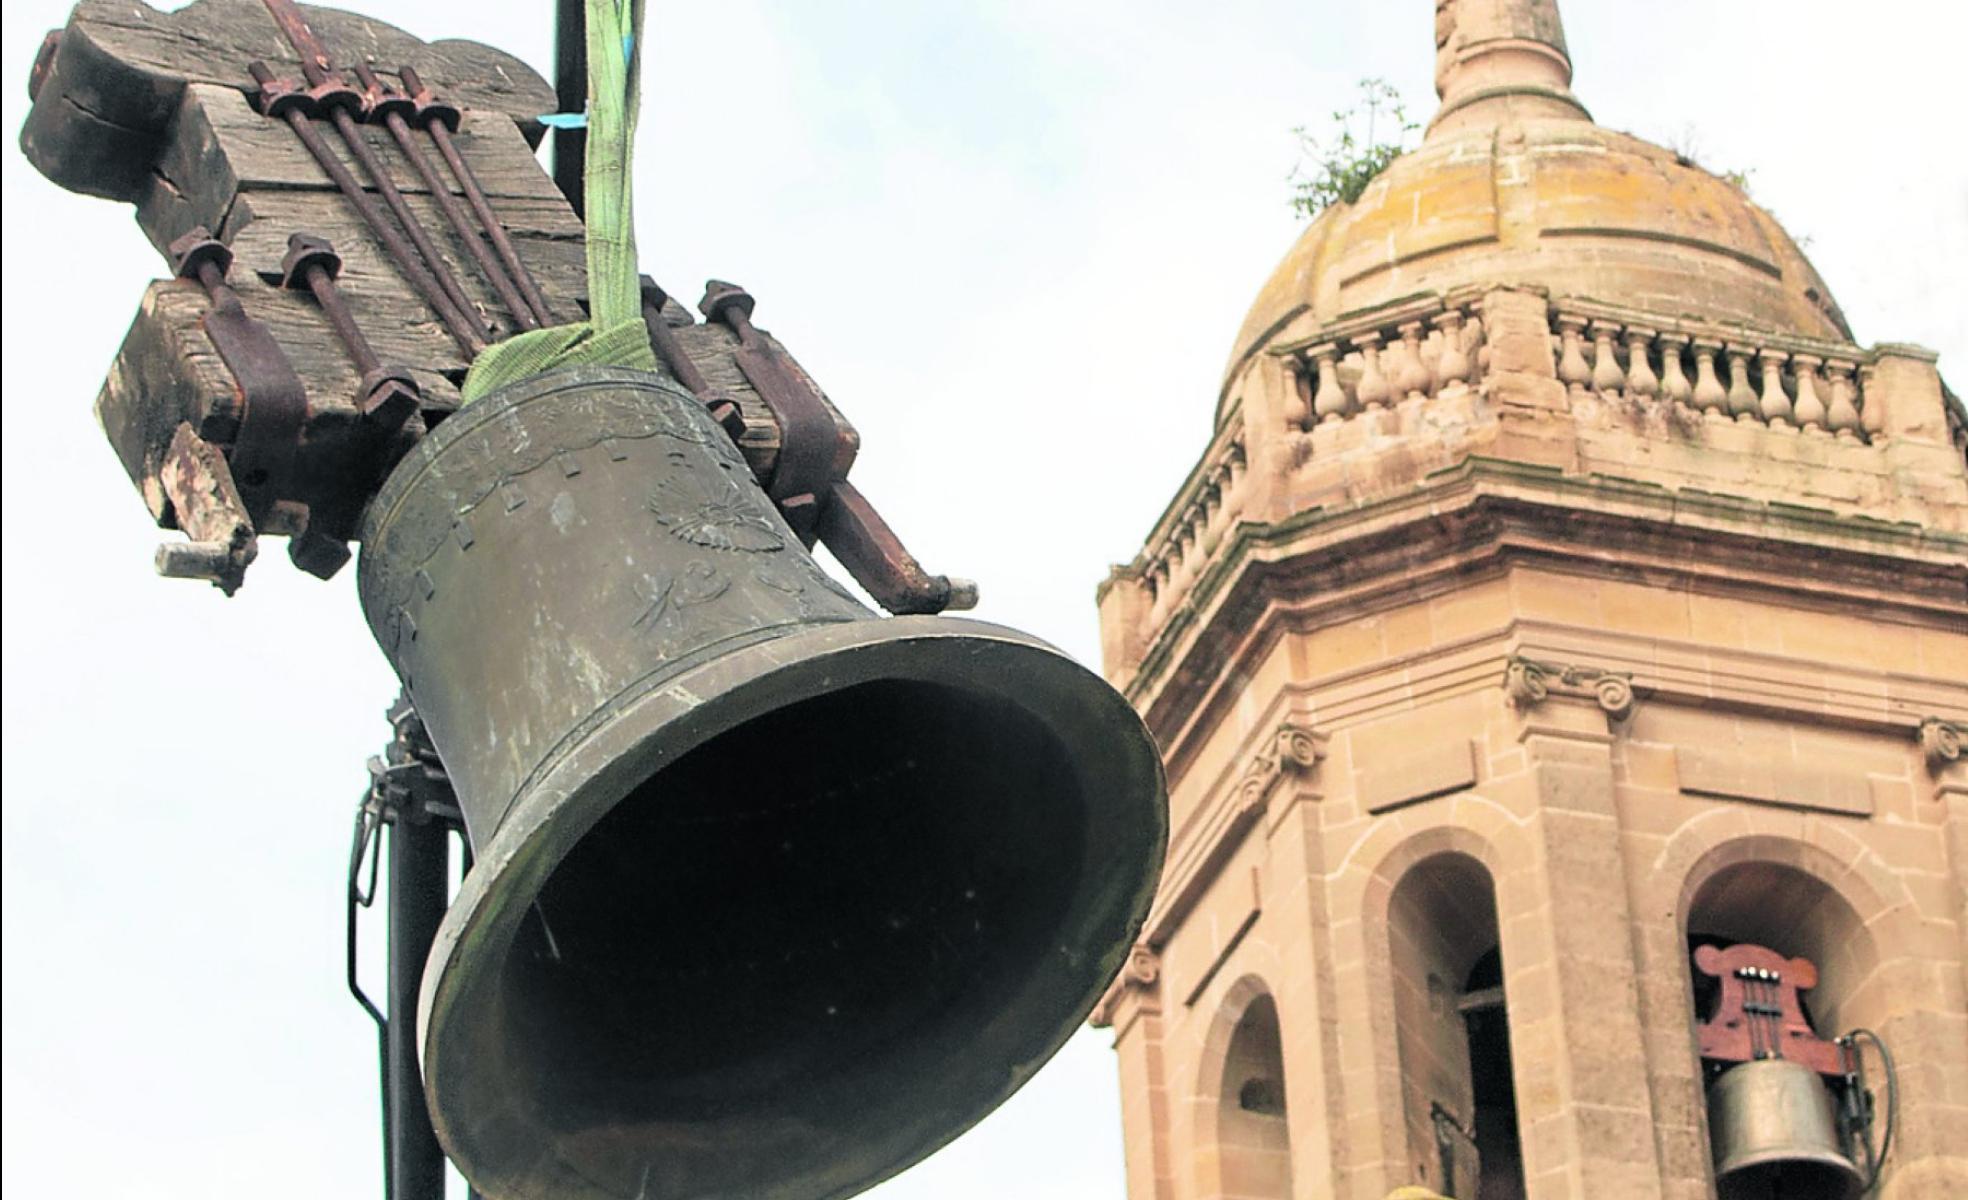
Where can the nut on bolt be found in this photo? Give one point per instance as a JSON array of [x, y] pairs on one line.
[[389, 396], [190, 253], [721, 297], [306, 252]]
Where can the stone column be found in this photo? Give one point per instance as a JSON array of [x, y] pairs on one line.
[[1304, 991]]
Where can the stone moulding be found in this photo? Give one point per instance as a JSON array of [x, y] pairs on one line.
[[1528, 682], [1291, 749], [1140, 978], [1940, 742]]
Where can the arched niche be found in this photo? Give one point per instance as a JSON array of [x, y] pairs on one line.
[[1452, 1030], [1799, 915], [1788, 909], [1253, 1137]]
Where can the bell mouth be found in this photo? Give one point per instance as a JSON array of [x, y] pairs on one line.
[[793, 921]]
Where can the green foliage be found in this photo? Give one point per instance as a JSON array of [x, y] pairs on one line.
[[1338, 168]]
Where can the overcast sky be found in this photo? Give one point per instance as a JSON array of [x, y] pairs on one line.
[[1012, 240]]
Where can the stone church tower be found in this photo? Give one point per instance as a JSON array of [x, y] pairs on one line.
[[1562, 589]]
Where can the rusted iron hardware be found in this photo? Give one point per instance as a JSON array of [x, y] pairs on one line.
[[440, 119], [392, 109], [331, 95], [297, 105], [809, 482], [221, 500], [813, 448], [278, 473], [389, 395], [670, 352], [284, 99], [272, 404]]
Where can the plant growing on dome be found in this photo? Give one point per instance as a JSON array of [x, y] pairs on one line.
[[1337, 169]]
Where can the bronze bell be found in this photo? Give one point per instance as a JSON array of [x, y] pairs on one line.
[[1772, 1128], [772, 897]]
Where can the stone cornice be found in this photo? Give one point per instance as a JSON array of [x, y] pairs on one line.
[[1662, 671], [1485, 513]]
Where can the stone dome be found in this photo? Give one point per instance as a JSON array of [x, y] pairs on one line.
[[1515, 185]]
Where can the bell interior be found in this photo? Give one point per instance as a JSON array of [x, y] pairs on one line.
[[1789, 1179], [802, 934]]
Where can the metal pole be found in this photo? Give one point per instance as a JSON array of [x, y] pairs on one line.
[[571, 90], [419, 863]]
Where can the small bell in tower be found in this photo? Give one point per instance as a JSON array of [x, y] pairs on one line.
[[1773, 1120]]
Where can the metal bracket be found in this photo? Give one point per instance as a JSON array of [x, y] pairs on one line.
[[273, 401], [809, 480]]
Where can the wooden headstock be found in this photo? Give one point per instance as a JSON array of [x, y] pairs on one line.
[[1757, 1014]]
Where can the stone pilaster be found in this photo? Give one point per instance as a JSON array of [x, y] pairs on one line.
[[1583, 1096]]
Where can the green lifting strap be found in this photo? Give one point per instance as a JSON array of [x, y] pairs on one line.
[[613, 334]]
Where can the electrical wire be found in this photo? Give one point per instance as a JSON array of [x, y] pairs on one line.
[[1876, 1163]]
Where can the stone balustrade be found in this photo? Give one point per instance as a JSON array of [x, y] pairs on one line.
[[1194, 524], [1781, 382], [1418, 352]]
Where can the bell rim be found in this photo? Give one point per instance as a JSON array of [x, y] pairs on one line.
[[561, 806]]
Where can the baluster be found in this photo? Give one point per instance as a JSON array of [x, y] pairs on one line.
[[1298, 399], [1641, 382], [1675, 388], [1330, 404], [1742, 397], [1606, 374], [1843, 415], [1186, 557], [1231, 472], [1476, 346], [1573, 370], [1709, 395], [1774, 407], [1809, 411], [1209, 508], [1452, 365], [1412, 378], [1372, 388]]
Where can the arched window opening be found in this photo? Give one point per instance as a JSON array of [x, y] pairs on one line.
[[1253, 1139], [1452, 1024]]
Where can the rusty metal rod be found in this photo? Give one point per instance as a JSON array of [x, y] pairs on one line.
[[384, 104], [315, 67], [462, 328], [386, 186], [670, 352], [340, 319], [495, 229]]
